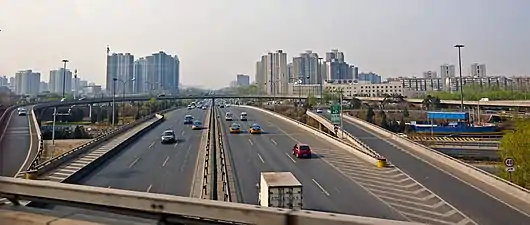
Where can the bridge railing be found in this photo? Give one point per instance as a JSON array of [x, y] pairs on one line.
[[169, 207]]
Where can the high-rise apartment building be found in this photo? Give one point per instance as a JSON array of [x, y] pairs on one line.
[[277, 77], [335, 54], [447, 71], [140, 76], [261, 73], [120, 66], [306, 68], [27, 82], [4, 81], [429, 74], [162, 73], [60, 79], [478, 70], [242, 80], [370, 77]]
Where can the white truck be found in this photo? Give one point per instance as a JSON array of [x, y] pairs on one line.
[[280, 190]]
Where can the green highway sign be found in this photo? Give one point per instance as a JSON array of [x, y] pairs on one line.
[[335, 119], [335, 109]]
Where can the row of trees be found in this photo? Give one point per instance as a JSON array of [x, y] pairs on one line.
[[476, 92], [79, 132]]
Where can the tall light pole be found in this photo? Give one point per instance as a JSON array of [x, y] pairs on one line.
[[320, 79], [114, 100], [75, 83], [124, 82], [64, 75], [461, 80]]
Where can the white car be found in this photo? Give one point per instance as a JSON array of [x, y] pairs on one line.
[[319, 110], [243, 116], [22, 112]]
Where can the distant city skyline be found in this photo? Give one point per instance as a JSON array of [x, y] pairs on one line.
[[390, 38]]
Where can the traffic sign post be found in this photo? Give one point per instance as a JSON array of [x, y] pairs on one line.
[[335, 114], [509, 163]]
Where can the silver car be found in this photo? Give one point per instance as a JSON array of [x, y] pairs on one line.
[[168, 137]]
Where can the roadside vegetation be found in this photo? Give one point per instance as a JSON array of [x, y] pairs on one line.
[[475, 93], [516, 145]]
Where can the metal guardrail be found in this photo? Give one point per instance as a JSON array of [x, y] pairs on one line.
[[369, 151], [169, 208], [224, 189], [206, 191], [43, 167], [453, 143]]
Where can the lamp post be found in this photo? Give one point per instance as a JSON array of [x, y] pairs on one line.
[[64, 75], [320, 79], [114, 101], [461, 80], [124, 82]]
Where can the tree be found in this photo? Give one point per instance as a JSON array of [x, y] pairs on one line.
[[406, 113], [370, 115], [78, 132], [384, 123], [402, 125], [311, 101], [355, 103], [516, 145]]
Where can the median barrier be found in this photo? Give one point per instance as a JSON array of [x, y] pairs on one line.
[[54, 162], [465, 169], [361, 154]]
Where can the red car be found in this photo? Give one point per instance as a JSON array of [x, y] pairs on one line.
[[302, 150]]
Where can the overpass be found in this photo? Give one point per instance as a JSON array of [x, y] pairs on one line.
[[271, 153]]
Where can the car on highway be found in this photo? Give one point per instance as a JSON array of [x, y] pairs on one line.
[[302, 150], [243, 116], [188, 119], [22, 112], [255, 129], [235, 128], [197, 125], [204, 107], [189, 107], [228, 116], [168, 137], [319, 110]]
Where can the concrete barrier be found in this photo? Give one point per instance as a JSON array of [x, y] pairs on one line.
[[361, 146], [48, 165], [170, 207], [327, 137], [464, 168]]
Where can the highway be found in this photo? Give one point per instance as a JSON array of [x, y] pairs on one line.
[[149, 166], [479, 206], [325, 188], [15, 144]]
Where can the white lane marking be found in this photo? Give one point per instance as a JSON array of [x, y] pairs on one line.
[[250, 141], [149, 188], [320, 186], [290, 157], [165, 161], [151, 145], [108, 186], [182, 133], [133, 162], [176, 144], [261, 158], [274, 142]]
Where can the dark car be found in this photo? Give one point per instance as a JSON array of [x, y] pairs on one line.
[[188, 119]]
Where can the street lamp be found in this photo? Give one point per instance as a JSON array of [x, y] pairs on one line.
[[64, 75], [124, 82], [320, 80], [114, 100], [461, 80]]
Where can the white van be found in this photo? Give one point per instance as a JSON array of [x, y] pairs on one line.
[[243, 116], [228, 116]]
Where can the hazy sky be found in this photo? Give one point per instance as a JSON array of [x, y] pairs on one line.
[[216, 39]]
